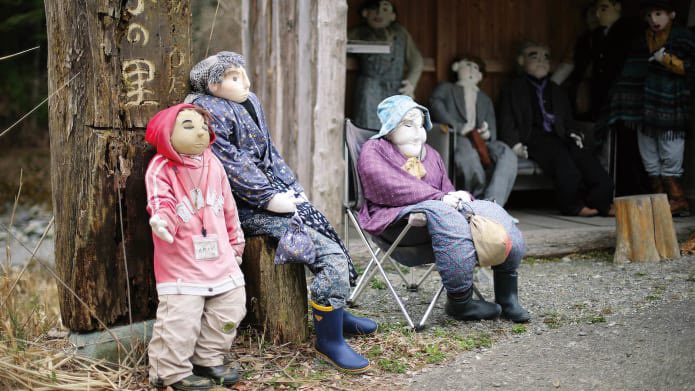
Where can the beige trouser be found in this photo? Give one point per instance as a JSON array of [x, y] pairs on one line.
[[193, 330]]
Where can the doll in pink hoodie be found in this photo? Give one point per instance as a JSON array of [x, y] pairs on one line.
[[198, 244]]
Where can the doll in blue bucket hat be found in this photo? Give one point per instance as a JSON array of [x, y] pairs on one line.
[[401, 174]]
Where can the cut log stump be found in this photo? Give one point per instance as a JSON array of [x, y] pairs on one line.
[[644, 229], [276, 296]]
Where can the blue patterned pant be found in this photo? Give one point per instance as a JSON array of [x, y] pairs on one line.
[[331, 285], [454, 252]]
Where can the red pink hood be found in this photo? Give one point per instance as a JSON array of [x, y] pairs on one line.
[[160, 128]]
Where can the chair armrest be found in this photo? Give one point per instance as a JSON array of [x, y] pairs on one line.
[[417, 219]]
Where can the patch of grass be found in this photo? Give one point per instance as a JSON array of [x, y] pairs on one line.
[[433, 354], [580, 306], [377, 284], [604, 255], [518, 329], [640, 274], [690, 278], [656, 293], [392, 366], [596, 319], [471, 342], [553, 320]]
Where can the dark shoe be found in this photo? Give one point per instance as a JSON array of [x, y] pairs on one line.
[[219, 375], [676, 197], [330, 344], [506, 296], [463, 307], [656, 185], [355, 325], [192, 383]]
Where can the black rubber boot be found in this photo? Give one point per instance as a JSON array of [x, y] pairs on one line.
[[506, 288], [193, 383], [220, 375], [463, 307]]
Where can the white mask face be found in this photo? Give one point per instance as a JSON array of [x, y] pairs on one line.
[[658, 20], [468, 72], [410, 134], [234, 86]]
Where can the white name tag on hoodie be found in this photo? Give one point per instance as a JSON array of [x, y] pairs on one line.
[[206, 248]]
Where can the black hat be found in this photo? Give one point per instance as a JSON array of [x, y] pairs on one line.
[[657, 4]]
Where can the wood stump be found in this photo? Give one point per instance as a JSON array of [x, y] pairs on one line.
[[644, 229], [276, 295]]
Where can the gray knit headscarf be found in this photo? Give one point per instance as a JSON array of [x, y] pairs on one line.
[[211, 70]]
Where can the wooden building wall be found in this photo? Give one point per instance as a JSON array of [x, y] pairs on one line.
[[490, 29]]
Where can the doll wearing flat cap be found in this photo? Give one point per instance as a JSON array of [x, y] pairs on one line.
[[400, 174], [268, 195], [198, 243]]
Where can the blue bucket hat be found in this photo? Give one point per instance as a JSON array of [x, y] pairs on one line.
[[392, 110]]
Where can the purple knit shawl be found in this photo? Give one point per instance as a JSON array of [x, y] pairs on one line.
[[388, 188]]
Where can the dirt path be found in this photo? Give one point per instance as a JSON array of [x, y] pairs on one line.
[[654, 350]]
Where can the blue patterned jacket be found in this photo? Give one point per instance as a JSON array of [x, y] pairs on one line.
[[248, 155]]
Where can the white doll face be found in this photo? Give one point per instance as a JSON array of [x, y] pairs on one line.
[[190, 135], [536, 61], [607, 12], [235, 85], [659, 19], [410, 134], [381, 17], [468, 72]]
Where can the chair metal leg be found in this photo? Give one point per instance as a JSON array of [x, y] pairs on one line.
[[421, 325], [381, 269], [367, 275]]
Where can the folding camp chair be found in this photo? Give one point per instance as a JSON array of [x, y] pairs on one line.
[[406, 242]]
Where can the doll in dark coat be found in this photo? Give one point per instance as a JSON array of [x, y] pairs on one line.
[[536, 120]]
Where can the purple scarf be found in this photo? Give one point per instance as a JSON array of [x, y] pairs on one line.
[[548, 119]]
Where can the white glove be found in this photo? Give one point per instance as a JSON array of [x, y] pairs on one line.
[[283, 203], [239, 260], [465, 129], [451, 200], [462, 195], [159, 228], [407, 88], [520, 150], [484, 131], [658, 55], [578, 139]]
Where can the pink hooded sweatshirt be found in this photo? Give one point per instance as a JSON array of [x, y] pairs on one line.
[[170, 180]]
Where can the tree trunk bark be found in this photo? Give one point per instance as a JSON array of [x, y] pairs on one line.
[[644, 229], [276, 296], [112, 65]]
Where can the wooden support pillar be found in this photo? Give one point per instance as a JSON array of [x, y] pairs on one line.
[[644, 229], [112, 65], [276, 295]]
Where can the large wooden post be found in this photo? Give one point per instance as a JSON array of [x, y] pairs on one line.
[[127, 60], [295, 52]]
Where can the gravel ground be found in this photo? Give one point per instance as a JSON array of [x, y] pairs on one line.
[[595, 325]]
